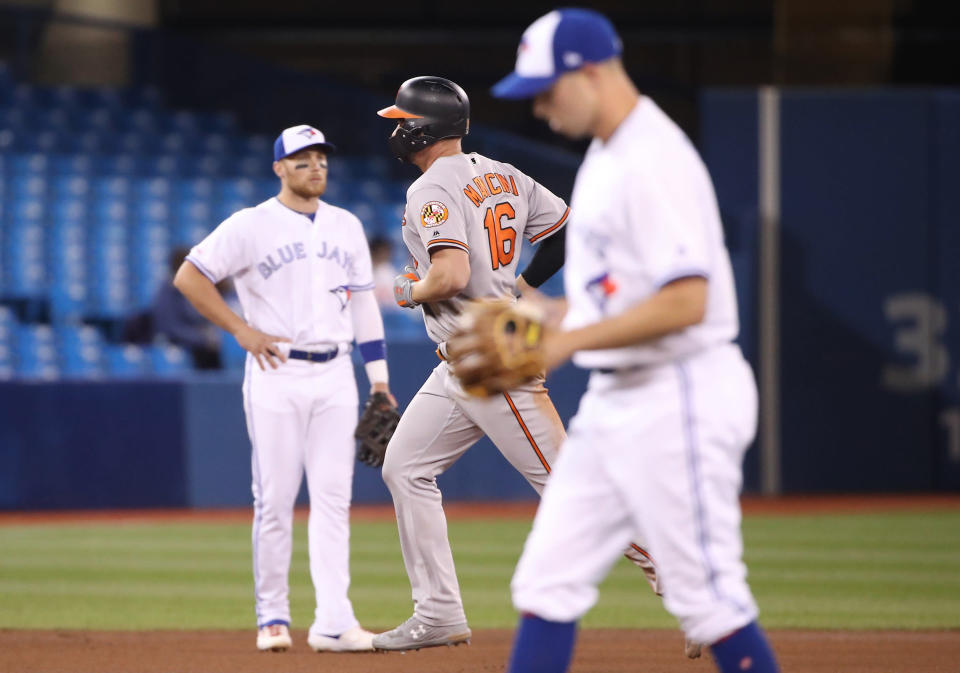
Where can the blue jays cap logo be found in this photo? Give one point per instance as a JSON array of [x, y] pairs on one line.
[[307, 132]]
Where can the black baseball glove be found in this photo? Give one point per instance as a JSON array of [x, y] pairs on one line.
[[375, 428]]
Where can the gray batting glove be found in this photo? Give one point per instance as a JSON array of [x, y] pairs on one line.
[[403, 288]]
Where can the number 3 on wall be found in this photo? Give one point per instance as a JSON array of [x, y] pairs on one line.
[[920, 338], [502, 236]]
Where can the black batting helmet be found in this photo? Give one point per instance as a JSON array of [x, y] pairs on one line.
[[429, 109]]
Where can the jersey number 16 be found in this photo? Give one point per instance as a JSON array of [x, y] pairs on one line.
[[502, 236]]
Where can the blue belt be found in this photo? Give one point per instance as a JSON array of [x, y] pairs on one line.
[[312, 356]]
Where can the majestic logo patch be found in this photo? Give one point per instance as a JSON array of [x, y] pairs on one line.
[[433, 214]]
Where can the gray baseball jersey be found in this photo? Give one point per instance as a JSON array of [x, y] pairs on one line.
[[485, 208]]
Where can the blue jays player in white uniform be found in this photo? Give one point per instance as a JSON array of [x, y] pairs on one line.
[[657, 444], [303, 275]]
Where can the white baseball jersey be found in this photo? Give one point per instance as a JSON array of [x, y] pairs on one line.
[[485, 208], [628, 237], [655, 449], [293, 274]]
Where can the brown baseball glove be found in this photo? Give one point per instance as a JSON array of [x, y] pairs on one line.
[[497, 346], [375, 428]]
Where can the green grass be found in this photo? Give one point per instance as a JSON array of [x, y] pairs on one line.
[[851, 571]]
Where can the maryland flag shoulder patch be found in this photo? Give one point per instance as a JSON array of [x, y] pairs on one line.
[[433, 214]]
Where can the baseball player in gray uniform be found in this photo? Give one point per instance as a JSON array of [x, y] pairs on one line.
[[658, 440], [464, 222], [303, 275]]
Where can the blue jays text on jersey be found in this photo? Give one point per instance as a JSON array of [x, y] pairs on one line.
[[294, 251]]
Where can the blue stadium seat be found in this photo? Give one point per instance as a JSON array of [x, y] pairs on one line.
[[91, 142], [70, 187], [9, 331], [8, 362], [179, 142], [336, 193], [242, 190], [24, 95], [114, 186], [167, 165], [98, 97], [223, 121], [138, 141], [68, 301], [25, 163], [389, 216], [63, 96], [207, 165], [194, 211], [259, 145], [72, 165], [81, 351], [37, 352], [46, 141], [152, 188], [184, 121], [141, 121], [126, 361], [68, 211], [256, 166], [371, 168], [8, 140], [194, 188], [14, 118], [112, 165], [99, 118], [109, 211], [151, 211], [215, 143], [169, 361], [369, 190], [54, 118], [26, 210], [27, 187], [366, 213], [225, 208], [146, 96], [149, 251], [110, 295]]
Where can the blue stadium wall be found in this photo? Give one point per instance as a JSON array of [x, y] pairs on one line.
[[870, 309]]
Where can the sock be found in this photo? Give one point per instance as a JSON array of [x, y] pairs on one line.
[[541, 646], [745, 650]]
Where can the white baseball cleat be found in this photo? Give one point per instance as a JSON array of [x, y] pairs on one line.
[[355, 639], [274, 638]]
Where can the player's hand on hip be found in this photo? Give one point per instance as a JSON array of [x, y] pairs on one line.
[[261, 346], [403, 287]]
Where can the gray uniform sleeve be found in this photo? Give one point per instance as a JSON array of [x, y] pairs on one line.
[[548, 212], [437, 219]]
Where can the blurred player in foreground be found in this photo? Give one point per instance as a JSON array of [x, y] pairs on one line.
[[657, 444]]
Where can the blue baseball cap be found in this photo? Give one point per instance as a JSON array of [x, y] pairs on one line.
[[296, 138], [557, 43]]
